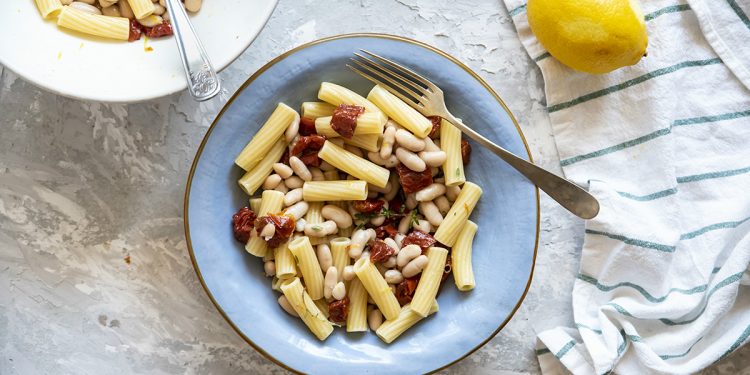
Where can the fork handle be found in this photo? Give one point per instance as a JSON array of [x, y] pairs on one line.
[[571, 196]]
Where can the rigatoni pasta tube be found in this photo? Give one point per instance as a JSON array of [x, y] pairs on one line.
[[377, 288], [264, 139], [367, 123], [354, 165], [337, 95], [340, 253], [317, 109], [48, 7], [367, 142], [255, 204], [393, 328], [308, 265], [450, 143], [314, 216], [271, 202], [463, 272], [141, 8], [307, 310], [254, 178], [429, 282], [347, 190], [454, 220], [104, 26], [356, 319], [401, 112], [285, 265]]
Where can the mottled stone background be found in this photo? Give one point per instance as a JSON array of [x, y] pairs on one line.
[[94, 272]]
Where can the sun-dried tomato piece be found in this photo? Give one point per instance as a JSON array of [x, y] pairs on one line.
[[369, 206], [311, 159], [284, 157], [405, 290], [436, 120], [419, 238], [338, 310], [135, 31], [306, 143], [411, 181], [307, 126], [396, 205], [160, 30], [385, 231], [344, 119], [242, 224], [284, 227], [380, 251], [465, 151]]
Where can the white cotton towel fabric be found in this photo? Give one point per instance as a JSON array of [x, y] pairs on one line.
[[665, 147]]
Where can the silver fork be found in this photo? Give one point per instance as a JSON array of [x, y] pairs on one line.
[[428, 99]]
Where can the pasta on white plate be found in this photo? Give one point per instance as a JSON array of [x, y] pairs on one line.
[[357, 227], [125, 20]]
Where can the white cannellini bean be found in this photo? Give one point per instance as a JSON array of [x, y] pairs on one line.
[[297, 210], [431, 213], [439, 180], [374, 319], [378, 189], [407, 254], [151, 21], [330, 280], [293, 129], [403, 225], [395, 187], [282, 188], [321, 229], [271, 182], [411, 201], [429, 145], [399, 238], [125, 9], [390, 262], [389, 138], [317, 174], [325, 167], [337, 214], [433, 158], [381, 268], [286, 306], [372, 194], [365, 254], [354, 150], [430, 192], [339, 291], [409, 141], [451, 192], [393, 288], [370, 300], [392, 243], [389, 162], [434, 171], [111, 11], [410, 160], [348, 273], [393, 277], [338, 141], [294, 182], [300, 169], [360, 237], [443, 204], [424, 226], [270, 268], [292, 197], [193, 5], [159, 10], [325, 259], [372, 233], [377, 220], [283, 170], [299, 226], [106, 3], [88, 8], [415, 267], [268, 231]]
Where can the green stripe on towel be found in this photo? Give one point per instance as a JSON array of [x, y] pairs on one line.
[[634, 242], [565, 349], [518, 10], [597, 331], [737, 343], [542, 351], [669, 9], [740, 13], [615, 148], [717, 226], [726, 282], [640, 289], [706, 119], [670, 356], [649, 197], [707, 176], [633, 82]]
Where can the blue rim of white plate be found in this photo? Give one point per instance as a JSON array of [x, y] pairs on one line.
[[261, 71]]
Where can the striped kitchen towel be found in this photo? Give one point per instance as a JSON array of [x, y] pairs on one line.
[[665, 147]]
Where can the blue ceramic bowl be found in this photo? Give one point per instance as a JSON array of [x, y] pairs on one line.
[[507, 214]]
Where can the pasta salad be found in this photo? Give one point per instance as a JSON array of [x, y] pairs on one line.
[[360, 210], [114, 19]]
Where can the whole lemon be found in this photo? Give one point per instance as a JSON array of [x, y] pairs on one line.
[[593, 36]]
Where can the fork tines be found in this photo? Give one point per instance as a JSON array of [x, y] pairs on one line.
[[399, 80]]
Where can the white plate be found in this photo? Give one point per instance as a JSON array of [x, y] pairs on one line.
[[82, 67]]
